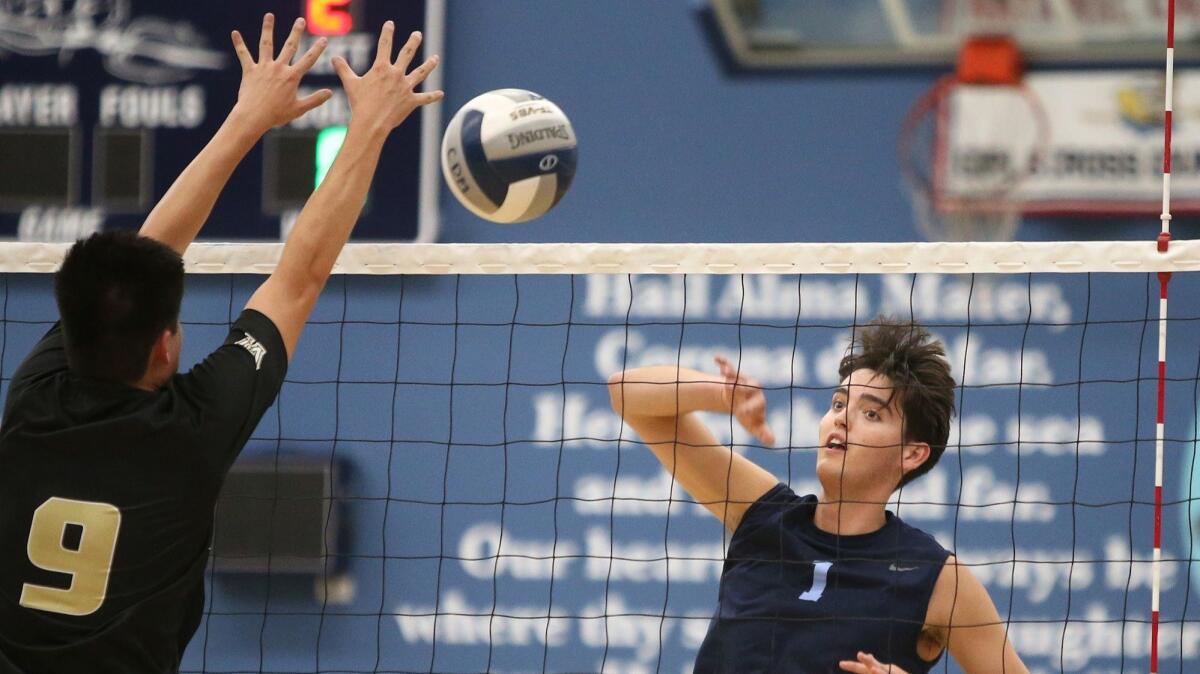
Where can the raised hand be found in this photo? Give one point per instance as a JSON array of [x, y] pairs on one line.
[[384, 96], [867, 664], [746, 401], [268, 94]]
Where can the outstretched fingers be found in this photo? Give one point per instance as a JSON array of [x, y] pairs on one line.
[[292, 45], [243, 53], [409, 50], [310, 57], [383, 54], [428, 97], [269, 90], [343, 70], [266, 42], [422, 71], [314, 100], [386, 93]]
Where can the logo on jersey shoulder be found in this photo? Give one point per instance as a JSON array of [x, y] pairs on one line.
[[893, 567], [251, 344]]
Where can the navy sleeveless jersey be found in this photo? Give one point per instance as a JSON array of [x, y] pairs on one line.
[[794, 598]]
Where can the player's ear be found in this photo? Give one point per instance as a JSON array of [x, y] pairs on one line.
[[914, 454], [161, 351]]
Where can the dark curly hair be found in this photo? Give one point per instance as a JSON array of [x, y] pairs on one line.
[[915, 362]]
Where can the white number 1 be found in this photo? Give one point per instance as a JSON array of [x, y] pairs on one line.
[[88, 565], [820, 571]]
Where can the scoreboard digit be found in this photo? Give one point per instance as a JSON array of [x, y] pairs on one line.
[[104, 102]]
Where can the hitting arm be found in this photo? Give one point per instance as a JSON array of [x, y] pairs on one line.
[[266, 98], [379, 100], [660, 404]]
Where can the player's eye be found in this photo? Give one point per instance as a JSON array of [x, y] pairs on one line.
[[837, 404], [873, 415]]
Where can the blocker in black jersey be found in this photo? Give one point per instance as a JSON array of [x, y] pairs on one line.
[[794, 598], [107, 494], [110, 464]]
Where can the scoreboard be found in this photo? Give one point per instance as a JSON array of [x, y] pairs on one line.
[[104, 102]]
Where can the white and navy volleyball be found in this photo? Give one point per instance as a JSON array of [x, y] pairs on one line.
[[509, 155]]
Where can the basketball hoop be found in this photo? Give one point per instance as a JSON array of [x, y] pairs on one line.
[[963, 179]]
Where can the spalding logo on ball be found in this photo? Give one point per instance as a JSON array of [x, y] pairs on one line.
[[509, 155]]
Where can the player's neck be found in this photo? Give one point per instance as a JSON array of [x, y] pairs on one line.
[[153, 380], [847, 516]]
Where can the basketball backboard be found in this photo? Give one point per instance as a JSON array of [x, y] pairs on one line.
[[782, 34]]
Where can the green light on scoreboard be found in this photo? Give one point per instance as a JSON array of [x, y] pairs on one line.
[[329, 141]]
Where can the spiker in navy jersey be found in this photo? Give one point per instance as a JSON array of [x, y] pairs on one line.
[[794, 598]]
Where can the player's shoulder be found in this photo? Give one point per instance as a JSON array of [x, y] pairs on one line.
[[257, 328], [61, 399], [778, 506], [781, 499], [919, 538], [254, 334], [37, 391], [783, 494], [253, 346]]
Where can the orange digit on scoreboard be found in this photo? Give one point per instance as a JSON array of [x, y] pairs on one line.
[[328, 17]]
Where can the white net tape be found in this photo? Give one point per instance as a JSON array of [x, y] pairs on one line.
[[681, 258]]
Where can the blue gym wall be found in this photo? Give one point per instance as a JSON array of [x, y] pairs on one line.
[[673, 149]]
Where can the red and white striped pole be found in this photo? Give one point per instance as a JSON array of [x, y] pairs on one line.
[[1164, 278]]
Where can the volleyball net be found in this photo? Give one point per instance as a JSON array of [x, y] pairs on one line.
[[481, 508]]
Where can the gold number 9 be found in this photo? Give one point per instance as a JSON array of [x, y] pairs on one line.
[[88, 566]]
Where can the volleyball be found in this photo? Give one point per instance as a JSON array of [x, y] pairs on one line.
[[509, 155]]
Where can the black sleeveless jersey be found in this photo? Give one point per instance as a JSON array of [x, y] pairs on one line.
[[794, 598], [107, 495]]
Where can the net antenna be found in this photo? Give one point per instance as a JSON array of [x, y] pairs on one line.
[[1164, 279], [964, 167]]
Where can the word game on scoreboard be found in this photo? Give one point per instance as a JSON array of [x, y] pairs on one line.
[[104, 102]]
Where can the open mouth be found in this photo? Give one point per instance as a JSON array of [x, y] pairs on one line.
[[836, 445]]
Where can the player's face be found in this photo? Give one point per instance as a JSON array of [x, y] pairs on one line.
[[861, 436]]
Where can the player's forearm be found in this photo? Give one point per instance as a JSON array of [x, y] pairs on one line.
[[666, 391], [325, 223], [183, 210]]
